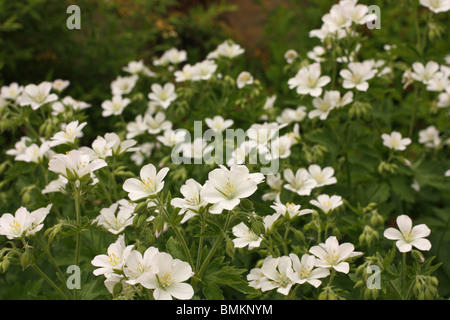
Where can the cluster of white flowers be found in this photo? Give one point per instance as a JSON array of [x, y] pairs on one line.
[[154, 270]]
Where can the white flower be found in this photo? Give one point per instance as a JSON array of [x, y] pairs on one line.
[[137, 127], [308, 80], [123, 85], [289, 210], [447, 173], [75, 165], [304, 270], [115, 106], [245, 237], [276, 184], [218, 123], [59, 84], [407, 236], [168, 280], [224, 188], [11, 92], [157, 123], [423, 73], [171, 138], [323, 177], [37, 95], [192, 201], [269, 103], [244, 79], [281, 147], [150, 183], [204, 70], [138, 264], [332, 255], [137, 67], [143, 152], [173, 56], [112, 222], [356, 75], [301, 183], [337, 18], [395, 141], [186, 74], [316, 54], [254, 278], [119, 146], [323, 106], [35, 153], [114, 260], [269, 220], [436, 5], [290, 115], [278, 274], [229, 49], [23, 223], [430, 137], [70, 132], [19, 147], [58, 185], [290, 55], [327, 203], [164, 96], [444, 98]]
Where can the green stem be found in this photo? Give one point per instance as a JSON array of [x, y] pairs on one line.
[[49, 281], [78, 236], [333, 272], [404, 276], [200, 243]]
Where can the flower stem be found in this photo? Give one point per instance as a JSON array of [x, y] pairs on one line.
[[49, 281], [78, 236], [404, 276]]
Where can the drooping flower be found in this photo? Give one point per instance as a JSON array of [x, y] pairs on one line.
[[332, 255], [395, 141], [305, 271], [408, 236], [149, 184], [225, 187], [168, 281], [326, 203]]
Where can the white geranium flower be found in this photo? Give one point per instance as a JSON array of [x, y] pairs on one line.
[[276, 184], [171, 138], [278, 274], [229, 49], [289, 210], [290, 56], [327, 203], [323, 106], [23, 223], [138, 264], [173, 56], [323, 177], [168, 280], [395, 141], [332, 255], [244, 79], [58, 185], [123, 85], [137, 127], [423, 73], [254, 278], [269, 220], [163, 95], [138, 67], [157, 123], [308, 80], [11, 92], [186, 74], [37, 95], [305, 271], [143, 152], [35, 153], [270, 102], [444, 98], [70, 132], [224, 188], [19, 147], [245, 237], [430, 137], [290, 115], [337, 18], [316, 54], [436, 5], [115, 259], [204, 70], [447, 173], [114, 220], [192, 201], [218, 123], [356, 75], [150, 183], [59, 84], [75, 165], [115, 106], [280, 148], [301, 183], [407, 236]]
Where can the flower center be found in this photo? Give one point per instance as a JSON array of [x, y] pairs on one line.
[[15, 226], [166, 280], [113, 259], [228, 190], [148, 184]]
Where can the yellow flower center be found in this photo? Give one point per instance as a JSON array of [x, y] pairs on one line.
[[113, 259], [228, 190], [166, 280], [148, 184], [15, 226]]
